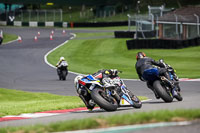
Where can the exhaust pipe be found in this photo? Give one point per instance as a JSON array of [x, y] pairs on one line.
[[116, 96], [113, 92], [168, 81]]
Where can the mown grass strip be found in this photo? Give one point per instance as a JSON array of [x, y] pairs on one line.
[[116, 120], [8, 37], [87, 54], [15, 102]]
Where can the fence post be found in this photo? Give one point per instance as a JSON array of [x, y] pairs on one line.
[[129, 22], [157, 26], [45, 13], [152, 21], [176, 23], [136, 33], [161, 10], [197, 23], [22, 15], [54, 14], [1, 34], [29, 15], [61, 17], [37, 15]]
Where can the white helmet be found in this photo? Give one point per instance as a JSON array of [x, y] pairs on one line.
[[114, 72], [62, 58]]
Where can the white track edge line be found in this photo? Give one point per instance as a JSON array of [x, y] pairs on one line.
[[45, 57], [9, 42]]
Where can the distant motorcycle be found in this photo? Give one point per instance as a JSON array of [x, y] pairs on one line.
[[163, 86], [106, 98], [62, 70]]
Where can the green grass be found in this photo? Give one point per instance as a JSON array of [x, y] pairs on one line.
[[86, 55], [14, 102], [111, 121], [8, 37]]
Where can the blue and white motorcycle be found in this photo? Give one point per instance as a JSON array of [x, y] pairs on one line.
[[93, 92]]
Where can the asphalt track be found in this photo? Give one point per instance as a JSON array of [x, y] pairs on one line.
[[23, 68]]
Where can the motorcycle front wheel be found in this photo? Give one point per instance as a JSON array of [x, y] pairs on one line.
[[179, 97], [100, 98]]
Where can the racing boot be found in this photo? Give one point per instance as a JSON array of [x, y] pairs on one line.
[[89, 103]]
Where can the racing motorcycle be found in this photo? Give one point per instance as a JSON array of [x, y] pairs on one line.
[[62, 70], [165, 89], [93, 92]]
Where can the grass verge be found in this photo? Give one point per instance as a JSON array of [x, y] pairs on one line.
[[116, 120], [14, 102], [8, 37], [87, 54]]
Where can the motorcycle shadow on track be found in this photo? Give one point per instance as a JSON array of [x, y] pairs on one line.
[[157, 102], [103, 111]]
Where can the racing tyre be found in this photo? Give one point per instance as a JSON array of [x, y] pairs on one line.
[[161, 91], [64, 75], [179, 97], [60, 78], [100, 98]]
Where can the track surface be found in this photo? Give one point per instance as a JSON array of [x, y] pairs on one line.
[[22, 67]]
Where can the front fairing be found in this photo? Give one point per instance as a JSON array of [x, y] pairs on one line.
[[91, 82], [125, 100]]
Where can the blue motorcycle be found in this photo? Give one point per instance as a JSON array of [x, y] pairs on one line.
[[164, 88], [93, 92]]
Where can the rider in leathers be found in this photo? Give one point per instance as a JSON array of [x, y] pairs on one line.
[[62, 59], [146, 65], [106, 77]]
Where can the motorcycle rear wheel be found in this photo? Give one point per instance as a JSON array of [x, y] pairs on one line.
[[64, 74], [100, 98], [161, 91]]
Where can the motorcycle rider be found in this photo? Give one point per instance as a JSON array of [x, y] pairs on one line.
[[58, 65], [106, 77], [146, 66]]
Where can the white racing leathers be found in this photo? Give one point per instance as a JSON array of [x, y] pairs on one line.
[[108, 82]]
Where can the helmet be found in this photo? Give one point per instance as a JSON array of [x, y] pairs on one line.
[[108, 72], [140, 55], [62, 58], [114, 72]]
